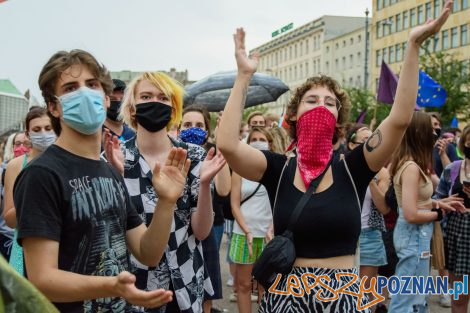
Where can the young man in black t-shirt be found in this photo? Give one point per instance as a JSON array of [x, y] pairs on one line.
[[75, 220]]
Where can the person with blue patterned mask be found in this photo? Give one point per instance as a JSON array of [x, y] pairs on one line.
[[196, 129]]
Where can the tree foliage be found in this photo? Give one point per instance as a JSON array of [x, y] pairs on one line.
[[454, 76], [364, 100]]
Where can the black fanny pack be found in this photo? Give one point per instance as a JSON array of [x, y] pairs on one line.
[[278, 256]]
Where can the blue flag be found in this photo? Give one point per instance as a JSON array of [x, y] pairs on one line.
[[454, 123], [430, 93]]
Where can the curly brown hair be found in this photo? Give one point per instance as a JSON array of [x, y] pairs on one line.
[[317, 81], [60, 62]]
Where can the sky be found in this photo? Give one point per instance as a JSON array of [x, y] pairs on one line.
[[143, 35]]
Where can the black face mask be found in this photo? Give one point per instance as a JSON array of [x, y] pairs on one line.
[[113, 111], [153, 116], [438, 132], [435, 138], [466, 151]]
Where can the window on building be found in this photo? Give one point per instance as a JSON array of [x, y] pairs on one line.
[[336, 46], [413, 17], [464, 4], [398, 22], [455, 7], [359, 38], [290, 73], [406, 21], [391, 53], [463, 35], [301, 71], [454, 37], [306, 46], [344, 63], [436, 8], [445, 39], [359, 58], [379, 4], [398, 55], [336, 65], [378, 58], [290, 53], [436, 45], [421, 18], [358, 82], [351, 60], [295, 51], [327, 49], [351, 82], [385, 55], [344, 43], [386, 27], [307, 72], [327, 67], [301, 48], [295, 73], [379, 29], [428, 11], [351, 41]]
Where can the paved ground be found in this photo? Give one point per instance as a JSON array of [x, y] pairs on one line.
[[231, 307]]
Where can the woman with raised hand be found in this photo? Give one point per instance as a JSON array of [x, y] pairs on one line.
[[327, 231]]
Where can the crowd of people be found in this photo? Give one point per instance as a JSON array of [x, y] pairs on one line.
[[115, 198]]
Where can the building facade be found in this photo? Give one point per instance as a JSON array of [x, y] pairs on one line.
[[393, 19], [302, 52], [128, 76], [13, 107]]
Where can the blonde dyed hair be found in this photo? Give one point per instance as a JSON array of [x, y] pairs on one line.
[[170, 87]]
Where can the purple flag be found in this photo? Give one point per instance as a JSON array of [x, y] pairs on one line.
[[388, 82], [362, 116]]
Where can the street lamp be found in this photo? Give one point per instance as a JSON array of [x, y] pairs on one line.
[[366, 54]]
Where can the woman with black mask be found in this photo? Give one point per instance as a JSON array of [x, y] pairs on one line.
[[152, 104]]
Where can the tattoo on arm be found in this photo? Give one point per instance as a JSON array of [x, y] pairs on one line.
[[423, 37], [374, 141], [244, 94]]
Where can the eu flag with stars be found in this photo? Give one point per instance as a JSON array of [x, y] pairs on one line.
[[430, 93]]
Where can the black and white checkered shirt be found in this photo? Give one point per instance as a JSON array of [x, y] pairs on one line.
[[182, 262]]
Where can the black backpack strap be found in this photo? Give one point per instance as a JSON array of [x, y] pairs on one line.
[[250, 196], [312, 188]]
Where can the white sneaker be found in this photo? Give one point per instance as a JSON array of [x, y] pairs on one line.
[[230, 281], [233, 297], [444, 301]]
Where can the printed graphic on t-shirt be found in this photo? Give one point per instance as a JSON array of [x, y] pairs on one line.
[[100, 203]]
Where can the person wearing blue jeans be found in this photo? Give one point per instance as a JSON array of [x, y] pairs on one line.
[[417, 211]]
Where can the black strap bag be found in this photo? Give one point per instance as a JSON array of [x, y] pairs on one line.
[[278, 256]]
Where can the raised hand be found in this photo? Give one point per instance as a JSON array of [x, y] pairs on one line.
[[420, 33], [169, 180], [245, 64], [113, 152], [125, 288], [211, 166]]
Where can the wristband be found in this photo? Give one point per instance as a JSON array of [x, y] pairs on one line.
[[439, 213]]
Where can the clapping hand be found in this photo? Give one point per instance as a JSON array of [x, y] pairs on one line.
[[112, 151], [169, 180], [125, 288], [211, 165]]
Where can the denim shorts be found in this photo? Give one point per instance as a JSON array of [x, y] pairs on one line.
[[372, 247]]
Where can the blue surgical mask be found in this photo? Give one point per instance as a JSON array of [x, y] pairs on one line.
[[41, 141], [83, 110], [193, 135]]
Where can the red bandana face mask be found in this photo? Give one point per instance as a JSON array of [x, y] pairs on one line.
[[315, 130]]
